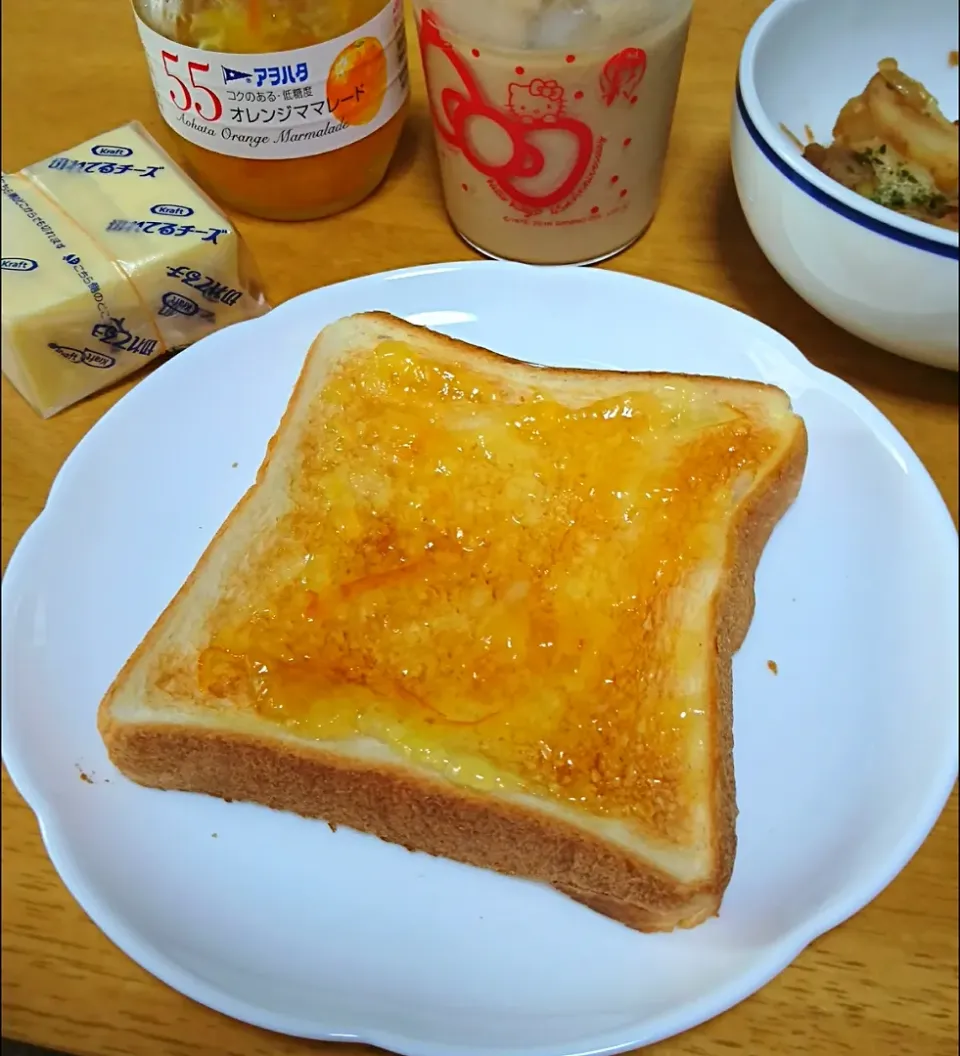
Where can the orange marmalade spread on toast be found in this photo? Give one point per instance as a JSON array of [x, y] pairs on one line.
[[492, 584]]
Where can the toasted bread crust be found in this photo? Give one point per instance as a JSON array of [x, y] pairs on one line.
[[429, 814], [404, 807], [735, 604]]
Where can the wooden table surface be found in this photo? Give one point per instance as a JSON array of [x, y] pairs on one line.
[[883, 984]]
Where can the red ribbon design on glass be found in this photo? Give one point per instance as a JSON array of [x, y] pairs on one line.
[[622, 74], [456, 106], [546, 90]]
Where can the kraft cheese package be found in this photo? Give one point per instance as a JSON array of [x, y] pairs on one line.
[[111, 258]]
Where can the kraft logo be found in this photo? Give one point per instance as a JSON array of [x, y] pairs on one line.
[[88, 357], [104, 150], [177, 304], [97, 359], [171, 210], [18, 264]]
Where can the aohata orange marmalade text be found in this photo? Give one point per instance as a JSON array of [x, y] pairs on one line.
[[488, 583]]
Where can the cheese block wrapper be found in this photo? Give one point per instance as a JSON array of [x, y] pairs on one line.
[[112, 257]]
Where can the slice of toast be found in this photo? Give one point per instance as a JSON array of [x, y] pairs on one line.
[[481, 609]]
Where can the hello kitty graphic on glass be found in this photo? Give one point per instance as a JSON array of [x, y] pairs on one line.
[[552, 119]]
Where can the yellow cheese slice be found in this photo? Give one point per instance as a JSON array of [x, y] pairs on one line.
[[179, 250], [111, 256], [72, 322]]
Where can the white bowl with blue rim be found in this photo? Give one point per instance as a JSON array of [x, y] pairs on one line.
[[887, 278]]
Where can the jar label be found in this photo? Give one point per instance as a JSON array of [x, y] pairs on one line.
[[285, 104]]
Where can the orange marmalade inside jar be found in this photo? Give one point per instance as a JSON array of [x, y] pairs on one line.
[[327, 178]]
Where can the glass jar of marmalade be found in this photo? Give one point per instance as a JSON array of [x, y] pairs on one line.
[[286, 109]]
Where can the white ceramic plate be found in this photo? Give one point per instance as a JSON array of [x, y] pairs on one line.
[[844, 759]]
